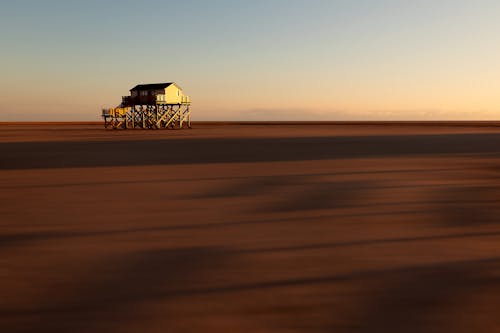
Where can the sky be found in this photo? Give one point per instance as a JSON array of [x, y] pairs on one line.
[[254, 60]]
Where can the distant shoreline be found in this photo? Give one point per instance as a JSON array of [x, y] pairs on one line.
[[465, 123]]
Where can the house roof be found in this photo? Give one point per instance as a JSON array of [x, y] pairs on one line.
[[155, 86]]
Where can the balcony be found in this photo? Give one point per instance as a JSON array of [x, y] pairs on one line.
[[153, 100], [161, 99]]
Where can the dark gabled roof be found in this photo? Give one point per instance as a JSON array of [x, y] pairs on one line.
[[155, 86]]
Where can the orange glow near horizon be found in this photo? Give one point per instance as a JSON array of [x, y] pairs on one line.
[[355, 60]]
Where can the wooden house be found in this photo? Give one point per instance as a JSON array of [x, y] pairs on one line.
[[150, 106], [156, 94]]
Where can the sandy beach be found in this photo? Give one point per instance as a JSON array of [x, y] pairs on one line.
[[356, 227]]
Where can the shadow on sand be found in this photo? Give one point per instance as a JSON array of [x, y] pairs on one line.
[[35, 155]]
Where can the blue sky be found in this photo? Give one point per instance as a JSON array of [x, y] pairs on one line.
[[254, 60]]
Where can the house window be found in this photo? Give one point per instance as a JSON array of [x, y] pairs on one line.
[[144, 93], [178, 93]]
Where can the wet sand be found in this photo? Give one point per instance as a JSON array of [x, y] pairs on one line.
[[250, 228]]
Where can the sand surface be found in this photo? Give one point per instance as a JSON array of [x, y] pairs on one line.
[[250, 228]]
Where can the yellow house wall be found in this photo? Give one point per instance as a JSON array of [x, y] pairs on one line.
[[174, 94]]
